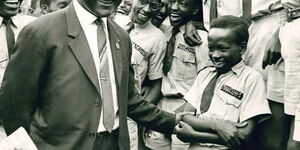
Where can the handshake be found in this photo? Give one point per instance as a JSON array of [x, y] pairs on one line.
[[201, 130]]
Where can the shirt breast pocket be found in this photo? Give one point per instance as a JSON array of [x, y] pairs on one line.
[[184, 66], [232, 106]]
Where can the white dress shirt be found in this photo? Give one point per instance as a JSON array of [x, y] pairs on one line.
[[87, 22]]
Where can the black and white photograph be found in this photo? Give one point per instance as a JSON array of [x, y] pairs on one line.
[[149, 74]]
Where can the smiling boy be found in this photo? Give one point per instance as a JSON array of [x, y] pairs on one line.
[[181, 65], [227, 93], [148, 51]]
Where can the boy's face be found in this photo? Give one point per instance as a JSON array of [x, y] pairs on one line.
[[55, 5], [125, 7], [162, 13], [142, 10], [181, 11], [224, 51], [9, 8]]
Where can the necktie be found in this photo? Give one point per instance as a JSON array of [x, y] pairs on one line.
[[247, 4], [213, 12], [170, 50], [106, 88], [208, 94], [101, 36], [10, 37]]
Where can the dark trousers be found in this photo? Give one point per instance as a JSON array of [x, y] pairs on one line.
[[107, 141], [273, 134]]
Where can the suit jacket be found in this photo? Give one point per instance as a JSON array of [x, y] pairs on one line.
[[51, 88]]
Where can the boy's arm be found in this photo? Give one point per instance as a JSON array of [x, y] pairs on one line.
[[200, 131]]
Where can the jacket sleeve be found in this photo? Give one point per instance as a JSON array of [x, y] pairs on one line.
[[20, 88], [145, 113]]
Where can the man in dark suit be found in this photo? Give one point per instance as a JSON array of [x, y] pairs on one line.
[[55, 84]]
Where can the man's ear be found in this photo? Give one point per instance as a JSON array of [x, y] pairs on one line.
[[243, 47], [44, 8]]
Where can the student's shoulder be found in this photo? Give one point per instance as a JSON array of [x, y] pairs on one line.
[[252, 75], [208, 68], [155, 31]]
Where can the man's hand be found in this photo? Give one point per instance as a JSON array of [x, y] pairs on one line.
[[228, 132], [191, 35], [184, 132], [272, 51]]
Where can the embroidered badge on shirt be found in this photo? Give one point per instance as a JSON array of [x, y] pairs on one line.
[[233, 92], [186, 48], [141, 50]]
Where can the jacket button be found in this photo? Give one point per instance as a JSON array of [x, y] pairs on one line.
[[91, 134], [97, 103]]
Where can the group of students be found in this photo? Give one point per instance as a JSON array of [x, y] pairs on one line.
[[237, 67], [232, 73]]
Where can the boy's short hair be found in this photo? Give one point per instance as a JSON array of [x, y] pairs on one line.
[[45, 2], [239, 25]]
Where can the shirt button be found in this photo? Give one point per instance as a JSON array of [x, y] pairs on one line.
[[103, 79], [91, 134], [97, 103]]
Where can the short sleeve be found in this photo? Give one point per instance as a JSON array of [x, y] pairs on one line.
[[254, 101], [194, 96], [157, 57], [202, 58]]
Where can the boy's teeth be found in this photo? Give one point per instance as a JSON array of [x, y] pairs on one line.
[[11, 1]]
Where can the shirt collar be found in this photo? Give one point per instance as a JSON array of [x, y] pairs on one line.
[[182, 29], [84, 16], [16, 21], [139, 26], [237, 69]]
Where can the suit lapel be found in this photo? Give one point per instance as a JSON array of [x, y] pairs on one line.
[[79, 46], [116, 51]]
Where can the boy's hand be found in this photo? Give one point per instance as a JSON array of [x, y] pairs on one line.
[[191, 35], [272, 51], [184, 132], [228, 132]]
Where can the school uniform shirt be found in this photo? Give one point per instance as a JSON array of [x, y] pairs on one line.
[[261, 8], [187, 62], [224, 7], [148, 51], [290, 51], [268, 17], [239, 95], [18, 22]]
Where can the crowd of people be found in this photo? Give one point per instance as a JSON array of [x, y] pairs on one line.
[[151, 74]]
